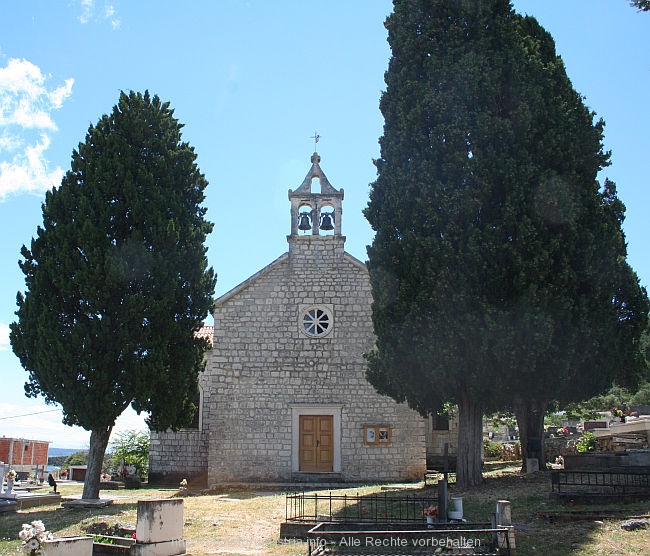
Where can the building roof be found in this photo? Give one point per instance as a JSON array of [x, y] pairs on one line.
[[206, 332], [28, 440]]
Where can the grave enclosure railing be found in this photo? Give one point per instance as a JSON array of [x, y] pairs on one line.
[[409, 539], [602, 484], [373, 508]]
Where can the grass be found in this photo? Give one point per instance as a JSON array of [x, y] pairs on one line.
[[248, 522]]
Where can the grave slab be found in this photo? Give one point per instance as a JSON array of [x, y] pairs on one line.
[[8, 506], [68, 546], [167, 548], [34, 499], [85, 503]]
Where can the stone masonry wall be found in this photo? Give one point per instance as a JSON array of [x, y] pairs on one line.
[[174, 456], [262, 366]]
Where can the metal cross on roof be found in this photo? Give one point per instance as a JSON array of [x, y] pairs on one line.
[[315, 137]]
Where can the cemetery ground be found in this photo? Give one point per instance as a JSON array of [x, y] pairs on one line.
[[247, 521]]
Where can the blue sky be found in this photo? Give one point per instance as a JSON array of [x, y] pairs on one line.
[[252, 80]]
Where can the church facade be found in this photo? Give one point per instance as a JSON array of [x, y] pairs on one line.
[[284, 396]]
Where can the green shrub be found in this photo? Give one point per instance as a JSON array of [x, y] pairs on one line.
[[587, 443], [491, 449]]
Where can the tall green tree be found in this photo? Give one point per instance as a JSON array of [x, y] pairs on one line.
[[643, 5], [117, 281], [577, 310], [433, 206], [486, 207]]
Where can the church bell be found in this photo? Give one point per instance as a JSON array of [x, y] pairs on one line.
[[326, 222], [303, 222]]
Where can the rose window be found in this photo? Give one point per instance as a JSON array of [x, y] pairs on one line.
[[316, 321]]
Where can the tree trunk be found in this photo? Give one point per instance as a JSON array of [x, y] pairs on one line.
[[470, 440], [530, 420], [98, 443]]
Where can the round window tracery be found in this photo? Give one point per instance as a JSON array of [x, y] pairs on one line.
[[316, 321]]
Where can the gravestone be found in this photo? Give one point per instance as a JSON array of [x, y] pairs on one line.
[[159, 528], [8, 493], [7, 498], [532, 465], [503, 518]]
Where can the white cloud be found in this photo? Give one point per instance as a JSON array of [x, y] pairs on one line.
[[57, 96], [24, 98], [37, 421], [28, 171], [26, 107], [87, 7], [109, 13], [90, 12], [9, 141]]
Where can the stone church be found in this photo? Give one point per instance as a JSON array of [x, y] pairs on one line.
[[284, 396]]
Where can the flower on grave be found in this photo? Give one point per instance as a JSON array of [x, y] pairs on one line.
[[431, 511], [11, 475], [33, 535], [183, 483]]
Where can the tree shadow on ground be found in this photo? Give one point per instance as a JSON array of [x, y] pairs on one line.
[[58, 520]]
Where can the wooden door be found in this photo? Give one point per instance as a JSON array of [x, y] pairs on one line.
[[316, 443]]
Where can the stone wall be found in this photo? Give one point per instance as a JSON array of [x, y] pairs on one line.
[[263, 371], [174, 456], [560, 446]]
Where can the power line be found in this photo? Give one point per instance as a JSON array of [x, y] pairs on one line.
[[28, 414]]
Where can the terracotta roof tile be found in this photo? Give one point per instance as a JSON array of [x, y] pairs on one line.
[[206, 332]]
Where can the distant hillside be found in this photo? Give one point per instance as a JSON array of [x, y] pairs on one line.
[[56, 452]]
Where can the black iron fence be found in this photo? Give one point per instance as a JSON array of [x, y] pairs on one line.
[[601, 484], [409, 539], [371, 508]]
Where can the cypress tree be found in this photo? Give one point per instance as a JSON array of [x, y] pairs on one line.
[[489, 220], [117, 279]]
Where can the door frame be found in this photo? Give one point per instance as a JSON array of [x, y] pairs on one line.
[[297, 410]]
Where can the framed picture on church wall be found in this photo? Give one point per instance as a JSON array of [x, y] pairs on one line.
[[369, 435], [383, 435], [373, 435]]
